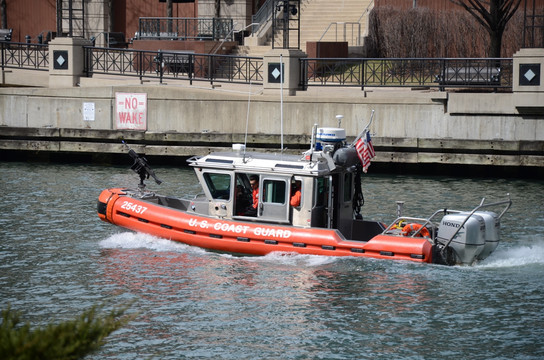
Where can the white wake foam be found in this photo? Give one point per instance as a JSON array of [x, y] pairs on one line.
[[512, 256], [516, 255], [129, 240]]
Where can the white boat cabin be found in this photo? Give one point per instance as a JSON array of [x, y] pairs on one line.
[[326, 190]]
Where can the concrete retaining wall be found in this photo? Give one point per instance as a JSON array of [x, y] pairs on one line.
[[409, 126]]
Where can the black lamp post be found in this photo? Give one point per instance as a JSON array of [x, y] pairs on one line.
[[284, 11]]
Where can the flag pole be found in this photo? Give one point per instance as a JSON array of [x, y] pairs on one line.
[[365, 130]]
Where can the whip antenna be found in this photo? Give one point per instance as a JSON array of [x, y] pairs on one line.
[[247, 119], [281, 103]]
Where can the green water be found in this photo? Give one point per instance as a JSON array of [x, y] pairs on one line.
[[57, 259]]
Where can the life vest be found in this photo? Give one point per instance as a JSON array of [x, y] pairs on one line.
[[412, 228]]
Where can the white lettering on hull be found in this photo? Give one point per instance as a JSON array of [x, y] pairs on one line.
[[241, 229]]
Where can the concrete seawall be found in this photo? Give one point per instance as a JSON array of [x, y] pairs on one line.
[[410, 127]]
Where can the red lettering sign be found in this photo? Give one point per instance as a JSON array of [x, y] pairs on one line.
[[131, 111]]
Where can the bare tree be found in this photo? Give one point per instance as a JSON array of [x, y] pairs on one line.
[[4, 15], [169, 16], [168, 8], [493, 15], [110, 15], [217, 8]]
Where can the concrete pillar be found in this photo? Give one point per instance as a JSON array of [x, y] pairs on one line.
[[291, 70], [66, 61], [529, 70], [528, 81]]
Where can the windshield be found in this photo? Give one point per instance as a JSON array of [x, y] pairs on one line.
[[219, 185]]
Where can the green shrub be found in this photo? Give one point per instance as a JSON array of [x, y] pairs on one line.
[[71, 339]]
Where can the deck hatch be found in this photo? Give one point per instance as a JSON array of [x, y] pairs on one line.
[[298, 244], [123, 214], [328, 247], [192, 232], [387, 253], [216, 236], [271, 242], [143, 220], [166, 226], [242, 239], [417, 256], [356, 250]]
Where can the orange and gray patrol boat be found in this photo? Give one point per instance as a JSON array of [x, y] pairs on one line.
[[258, 203]]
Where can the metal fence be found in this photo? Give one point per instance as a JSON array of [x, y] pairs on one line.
[[163, 65], [24, 56], [442, 73], [171, 28], [435, 72]]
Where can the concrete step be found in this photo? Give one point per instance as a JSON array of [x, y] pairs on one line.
[[316, 16], [254, 50]]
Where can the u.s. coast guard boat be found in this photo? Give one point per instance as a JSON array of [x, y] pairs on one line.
[[258, 203]]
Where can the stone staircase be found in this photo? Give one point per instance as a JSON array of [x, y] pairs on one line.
[[327, 20]]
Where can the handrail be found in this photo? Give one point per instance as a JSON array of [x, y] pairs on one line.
[[262, 16], [358, 38], [217, 47], [404, 72], [371, 4], [173, 64], [19, 55], [358, 22], [183, 27]]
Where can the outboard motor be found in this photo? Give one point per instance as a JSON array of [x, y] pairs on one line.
[[467, 240], [491, 236]]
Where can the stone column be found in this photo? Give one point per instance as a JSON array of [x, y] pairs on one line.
[[66, 61], [291, 70], [528, 81]]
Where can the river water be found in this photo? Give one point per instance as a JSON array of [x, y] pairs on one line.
[[58, 259]]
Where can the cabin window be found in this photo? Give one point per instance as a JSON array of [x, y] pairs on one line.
[[321, 191], [348, 180], [274, 191], [296, 193], [243, 196], [219, 185]]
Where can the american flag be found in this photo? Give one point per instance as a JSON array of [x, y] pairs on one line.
[[365, 151]]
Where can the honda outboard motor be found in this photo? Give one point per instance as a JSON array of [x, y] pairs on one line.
[[468, 238], [491, 236]]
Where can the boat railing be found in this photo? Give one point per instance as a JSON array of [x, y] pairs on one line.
[[394, 229], [430, 225]]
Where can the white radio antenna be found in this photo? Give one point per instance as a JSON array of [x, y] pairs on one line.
[[281, 103], [247, 119]]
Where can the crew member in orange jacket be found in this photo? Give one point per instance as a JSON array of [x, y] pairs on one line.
[[295, 194], [254, 182]]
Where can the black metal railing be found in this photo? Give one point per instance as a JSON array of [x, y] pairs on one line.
[[24, 56], [433, 72], [166, 28], [163, 65]]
